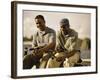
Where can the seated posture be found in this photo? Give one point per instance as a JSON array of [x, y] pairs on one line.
[[44, 41], [67, 50]]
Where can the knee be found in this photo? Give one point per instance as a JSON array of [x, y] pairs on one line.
[[50, 63], [28, 61]]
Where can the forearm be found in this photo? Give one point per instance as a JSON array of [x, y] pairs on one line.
[[71, 53], [48, 47]]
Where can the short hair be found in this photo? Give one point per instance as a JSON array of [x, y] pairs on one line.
[[40, 16], [65, 21]]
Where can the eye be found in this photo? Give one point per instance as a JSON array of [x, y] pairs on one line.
[[62, 26], [38, 23]]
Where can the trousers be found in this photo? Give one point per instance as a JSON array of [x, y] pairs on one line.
[[40, 62], [69, 62]]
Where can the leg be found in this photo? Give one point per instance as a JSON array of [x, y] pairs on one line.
[[66, 64], [53, 63], [44, 60], [74, 59], [29, 60]]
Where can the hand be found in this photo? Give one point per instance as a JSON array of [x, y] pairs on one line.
[[62, 58], [39, 52]]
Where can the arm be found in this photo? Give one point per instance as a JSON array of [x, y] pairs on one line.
[[34, 40], [50, 45], [60, 42], [71, 53], [73, 46], [47, 47], [72, 49]]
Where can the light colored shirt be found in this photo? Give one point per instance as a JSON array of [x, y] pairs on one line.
[[42, 38], [67, 42]]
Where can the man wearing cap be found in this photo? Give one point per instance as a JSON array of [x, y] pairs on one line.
[[67, 50], [44, 41]]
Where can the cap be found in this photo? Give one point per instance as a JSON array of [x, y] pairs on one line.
[[64, 21]]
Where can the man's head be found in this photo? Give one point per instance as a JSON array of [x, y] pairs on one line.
[[40, 22], [64, 24]]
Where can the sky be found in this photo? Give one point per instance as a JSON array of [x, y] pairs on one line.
[[80, 22]]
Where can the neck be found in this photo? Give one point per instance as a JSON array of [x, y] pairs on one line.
[[66, 31], [43, 29]]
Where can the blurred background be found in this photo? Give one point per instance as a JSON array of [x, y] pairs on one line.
[[80, 22]]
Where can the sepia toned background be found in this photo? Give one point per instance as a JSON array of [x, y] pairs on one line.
[[80, 22]]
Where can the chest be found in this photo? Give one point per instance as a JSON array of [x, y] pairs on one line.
[[43, 38]]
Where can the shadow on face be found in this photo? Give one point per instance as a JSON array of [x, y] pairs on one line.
[[40, 23], [64, 27]]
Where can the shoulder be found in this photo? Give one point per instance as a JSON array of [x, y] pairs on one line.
[[59, 33], [50, 30], [74, 32], [35, 33]]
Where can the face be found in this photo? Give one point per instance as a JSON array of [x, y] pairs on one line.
[[40, 23], [64, 27]]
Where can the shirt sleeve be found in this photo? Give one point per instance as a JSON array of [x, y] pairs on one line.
[[34, 40], [72, 43], [52, 37], [60, 42]]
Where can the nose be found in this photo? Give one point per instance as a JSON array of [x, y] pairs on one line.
[[38, 25], [62, 29]]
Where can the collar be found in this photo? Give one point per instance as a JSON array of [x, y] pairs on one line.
[[43, 32]]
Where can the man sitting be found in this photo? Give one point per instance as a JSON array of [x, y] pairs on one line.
[[66, 47], [44, 41]]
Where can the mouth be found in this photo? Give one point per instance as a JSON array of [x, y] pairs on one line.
[[41, 28]]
